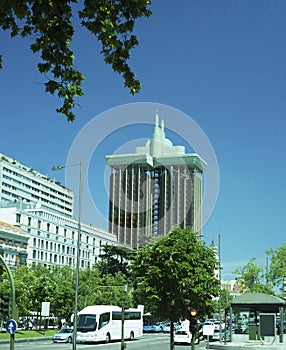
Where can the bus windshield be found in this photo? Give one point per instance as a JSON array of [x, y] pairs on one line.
[[86, 323]]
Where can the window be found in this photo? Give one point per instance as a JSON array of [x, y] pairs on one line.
[[18, 218], [128, 315], [104, 320]]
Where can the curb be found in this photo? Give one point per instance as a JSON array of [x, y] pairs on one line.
[[239, 346], [23, 340]]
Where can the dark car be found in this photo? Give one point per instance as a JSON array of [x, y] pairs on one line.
[[65, 335]]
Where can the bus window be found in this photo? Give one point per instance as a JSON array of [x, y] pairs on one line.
[[86, 323], [104, 320]]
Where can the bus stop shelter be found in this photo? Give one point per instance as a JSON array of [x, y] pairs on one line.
[[260, 303]]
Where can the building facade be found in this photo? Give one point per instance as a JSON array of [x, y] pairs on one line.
[[13, 245], [155, 188], [42, 211], [52, 238], [19, 183]]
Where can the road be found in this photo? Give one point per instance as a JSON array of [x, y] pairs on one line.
[[146, 342]]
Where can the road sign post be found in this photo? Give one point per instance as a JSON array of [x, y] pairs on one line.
[[11, 328], [11, 324]]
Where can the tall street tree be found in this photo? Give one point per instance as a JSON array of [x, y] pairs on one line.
[[251, 278], [277, 269], [114, 259], [50, 26], [175, 273]]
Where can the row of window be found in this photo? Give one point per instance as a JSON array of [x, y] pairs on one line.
[[17, 197], [40, 184], [32, 189], [13, 243]]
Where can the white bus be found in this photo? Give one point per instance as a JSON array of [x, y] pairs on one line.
[[102, 323]]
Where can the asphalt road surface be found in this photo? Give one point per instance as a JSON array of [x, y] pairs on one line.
[[146, 342]]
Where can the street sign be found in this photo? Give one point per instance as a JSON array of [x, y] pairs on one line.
[[11, 326], [45, 309], [208, 329]]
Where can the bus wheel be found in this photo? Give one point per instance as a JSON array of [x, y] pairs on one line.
[[131, 336], [107, 338]]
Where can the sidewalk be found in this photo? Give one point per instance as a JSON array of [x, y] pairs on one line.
[[241, 341]]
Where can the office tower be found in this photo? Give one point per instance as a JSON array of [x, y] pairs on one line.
[[155, 188]]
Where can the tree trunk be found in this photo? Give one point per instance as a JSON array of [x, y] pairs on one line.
[[172, 345]]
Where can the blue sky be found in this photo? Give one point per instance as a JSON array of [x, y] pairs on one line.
[[220, 62]]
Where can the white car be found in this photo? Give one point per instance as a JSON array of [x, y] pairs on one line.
[[65, 335], [183, 336], [219, 325]]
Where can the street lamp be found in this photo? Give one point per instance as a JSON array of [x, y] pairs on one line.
[[80, 164]]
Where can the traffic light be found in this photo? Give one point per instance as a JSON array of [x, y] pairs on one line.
[[193, 320], [5, 304]]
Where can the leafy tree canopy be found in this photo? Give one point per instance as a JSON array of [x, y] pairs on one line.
[[277, 271], [251, 278], [115, 259], [175, 273], [49, 25], [36, 283]]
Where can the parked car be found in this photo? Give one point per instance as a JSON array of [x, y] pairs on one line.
[[167, 327], [65, 335], [159, 327]]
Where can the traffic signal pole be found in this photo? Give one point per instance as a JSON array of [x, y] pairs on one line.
[[193, 325], [13, 299]]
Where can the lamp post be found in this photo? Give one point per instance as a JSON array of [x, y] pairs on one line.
[[80, 164]]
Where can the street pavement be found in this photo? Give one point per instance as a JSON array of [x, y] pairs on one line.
[[241, 341]]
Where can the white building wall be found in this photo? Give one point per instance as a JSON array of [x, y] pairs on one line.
[[19, 183], [13, 244], [44, 210], [53, 237]]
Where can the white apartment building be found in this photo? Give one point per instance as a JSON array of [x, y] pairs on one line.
[[21, 183], [53, 237], [43, 209]]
